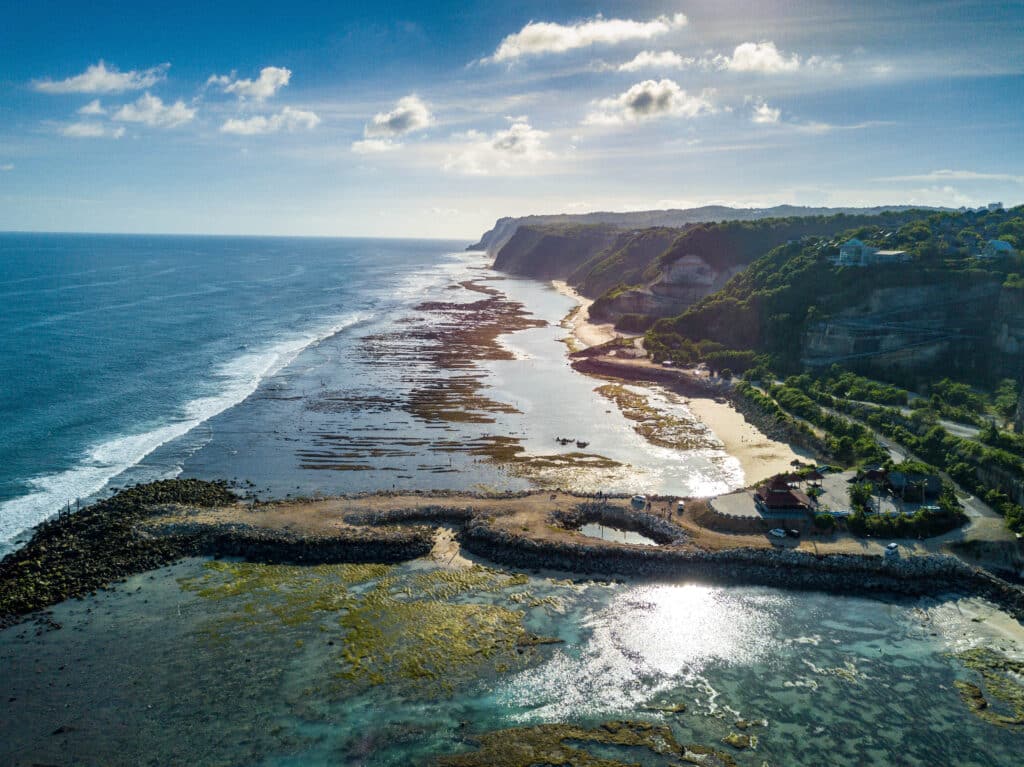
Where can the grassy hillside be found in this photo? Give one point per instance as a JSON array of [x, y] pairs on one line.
[[768, 308]]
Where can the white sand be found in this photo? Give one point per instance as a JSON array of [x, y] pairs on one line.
[[760, 457]]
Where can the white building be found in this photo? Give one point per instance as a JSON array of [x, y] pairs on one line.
[[856, 253], [997, 249]]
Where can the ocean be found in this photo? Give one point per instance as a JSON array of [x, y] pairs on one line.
[[294, 366]]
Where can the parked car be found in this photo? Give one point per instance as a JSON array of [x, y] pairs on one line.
[[639, 500], [892, 550], [793, 533], [777, 532]]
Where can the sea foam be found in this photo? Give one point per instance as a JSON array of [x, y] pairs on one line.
[[236, 379]]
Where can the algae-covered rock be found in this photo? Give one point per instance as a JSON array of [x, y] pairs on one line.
[[740, 741], [1001, 698], [567, 744], [706, 757], [428, 630], [666, 707]]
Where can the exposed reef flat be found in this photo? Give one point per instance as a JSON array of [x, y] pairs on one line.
[[148, 526]]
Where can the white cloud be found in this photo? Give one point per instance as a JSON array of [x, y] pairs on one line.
[[819, 128], [150, 110], [766, 115], [374, 146], [92, 108], [957, 175], [7, 167], [410, 114], [545, 37], [761, 57], [99, 79], [91, 130], [270, 81], [505, 151], [287, 119], [766, 58], [652, 60], [650, 100]]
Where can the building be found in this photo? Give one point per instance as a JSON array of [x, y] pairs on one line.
[[997, 249], [914, 485], [856, 253], [851, 253], [777, 495], [994, 206]]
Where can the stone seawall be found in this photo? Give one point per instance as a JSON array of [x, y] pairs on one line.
[[654, 527], [284, 547], [849, 574]]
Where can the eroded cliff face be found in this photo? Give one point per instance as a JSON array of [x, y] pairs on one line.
[[977, 326], [683, 283], [550, 253]]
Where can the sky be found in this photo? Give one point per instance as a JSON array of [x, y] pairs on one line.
[[420, 119]]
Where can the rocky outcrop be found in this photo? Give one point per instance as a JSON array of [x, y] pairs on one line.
[[680, 285], [919, 328]]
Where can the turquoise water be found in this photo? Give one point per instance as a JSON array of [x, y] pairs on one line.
[[157, 671]]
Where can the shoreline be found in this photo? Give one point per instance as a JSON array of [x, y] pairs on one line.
[[150, 526], [759, 455]]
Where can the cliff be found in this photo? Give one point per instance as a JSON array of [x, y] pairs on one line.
[[553, 252], [640, 275], [495, 239]]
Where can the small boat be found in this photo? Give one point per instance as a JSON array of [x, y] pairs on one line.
[[581, 444], [563, 440]]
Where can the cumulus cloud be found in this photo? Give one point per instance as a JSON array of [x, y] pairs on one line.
[[761, 57], [270, 81], [545, 37], [287, 119], [766, 115], [502, 152], [652, 60], [150, 110], [99, 79], [650, 100], [93, 108], [766, 58], [410, 114], [91, 130]]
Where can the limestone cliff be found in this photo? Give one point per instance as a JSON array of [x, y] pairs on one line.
[[503, 230]]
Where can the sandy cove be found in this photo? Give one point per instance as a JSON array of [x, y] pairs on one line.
[[760, 456]]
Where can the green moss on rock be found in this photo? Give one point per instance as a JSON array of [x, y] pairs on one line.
[[1000, 699]]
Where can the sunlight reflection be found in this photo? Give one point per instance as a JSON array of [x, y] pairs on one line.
[[650, 639]]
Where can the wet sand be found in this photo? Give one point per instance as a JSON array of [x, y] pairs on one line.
[[585, 332], [759, 456]]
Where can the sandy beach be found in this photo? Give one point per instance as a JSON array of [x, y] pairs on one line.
[[584, 331], [760, 457]]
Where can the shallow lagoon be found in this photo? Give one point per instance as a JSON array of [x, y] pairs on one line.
[[232, 663]]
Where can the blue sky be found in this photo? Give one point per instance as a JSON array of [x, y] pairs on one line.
[[433, 119]]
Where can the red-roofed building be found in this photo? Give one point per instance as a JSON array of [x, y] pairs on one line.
[[777, 495]]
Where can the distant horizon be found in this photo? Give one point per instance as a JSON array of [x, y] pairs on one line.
[[435, 119], [472, 237]]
